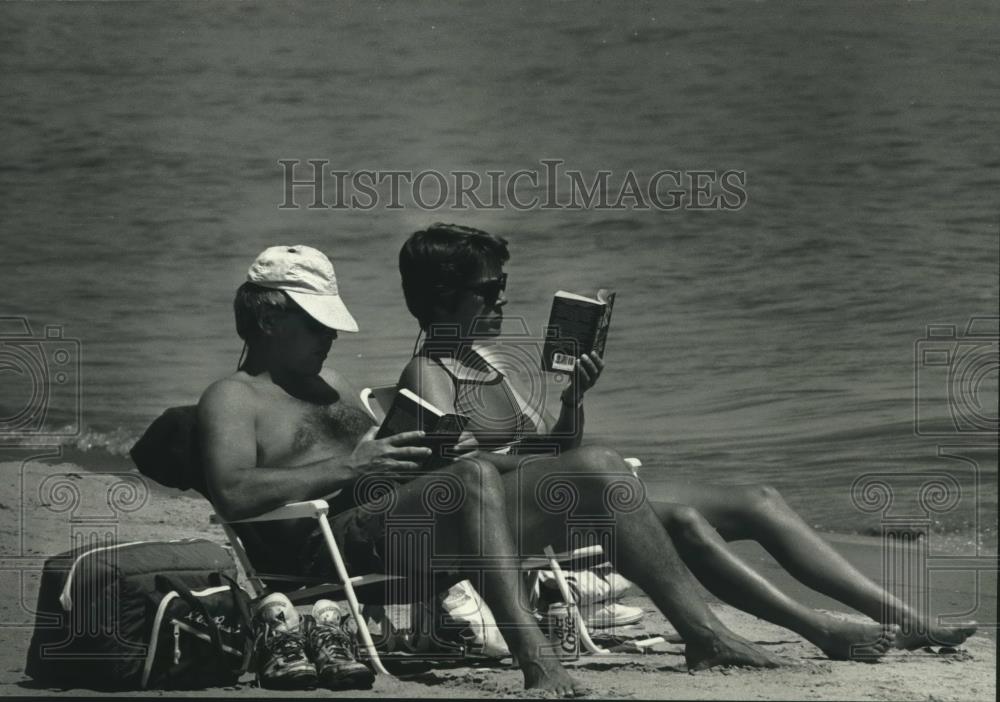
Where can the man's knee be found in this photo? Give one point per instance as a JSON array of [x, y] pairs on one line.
[[600, 461], [480, 482]]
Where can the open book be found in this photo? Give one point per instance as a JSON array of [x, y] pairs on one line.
[[410, 412], [577, 325]]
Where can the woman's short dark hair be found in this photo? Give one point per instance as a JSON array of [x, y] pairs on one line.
[[437, 261], [249, 304]]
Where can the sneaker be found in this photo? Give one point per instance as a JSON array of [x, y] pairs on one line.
[[279, 649], [331, 649], [589, 587], [458, 622], [607, 615], [327, 612]]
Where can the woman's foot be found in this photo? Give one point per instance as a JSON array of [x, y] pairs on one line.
[[844, 640], [933, 636], [546, 673], [728, 650]]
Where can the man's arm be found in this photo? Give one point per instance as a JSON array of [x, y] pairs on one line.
[[240, 488]]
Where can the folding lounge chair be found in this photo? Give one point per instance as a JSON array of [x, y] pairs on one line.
[[315, 587], [304, 589], [376, 400]]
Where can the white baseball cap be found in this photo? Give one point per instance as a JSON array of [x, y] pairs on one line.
[[307, 276]]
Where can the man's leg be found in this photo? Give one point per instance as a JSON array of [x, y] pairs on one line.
[[760, 513], [464, 507], [547, 496]]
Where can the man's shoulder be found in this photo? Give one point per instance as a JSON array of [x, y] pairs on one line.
[[340, 383], [234, 393], [332, 376]]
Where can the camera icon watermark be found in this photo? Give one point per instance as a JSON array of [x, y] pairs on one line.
[[54, 510], [955, 379], [39, 382], [917, 554]]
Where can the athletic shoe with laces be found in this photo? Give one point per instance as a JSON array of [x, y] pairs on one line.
[[608, 615], [331, 649], [279, 648]]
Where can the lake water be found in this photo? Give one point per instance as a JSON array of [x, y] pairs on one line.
[[779, 342]]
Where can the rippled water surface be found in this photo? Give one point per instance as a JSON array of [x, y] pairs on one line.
[[774, 343]]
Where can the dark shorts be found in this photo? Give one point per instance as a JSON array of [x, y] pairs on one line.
[[360, 536], [369, 517]]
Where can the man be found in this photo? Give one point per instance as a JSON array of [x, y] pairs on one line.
[[281, 429], [284, 428]]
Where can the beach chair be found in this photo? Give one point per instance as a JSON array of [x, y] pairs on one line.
[[163, 454], [303, 589], [378, 399]]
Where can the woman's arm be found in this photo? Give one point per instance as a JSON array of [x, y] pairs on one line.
[[430, 381], [568, 428]]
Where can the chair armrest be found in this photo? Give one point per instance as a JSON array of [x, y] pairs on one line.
[[309, 509], [367, 398], [377, 400]]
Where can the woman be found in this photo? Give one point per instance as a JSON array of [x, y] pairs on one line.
[[453, 282]]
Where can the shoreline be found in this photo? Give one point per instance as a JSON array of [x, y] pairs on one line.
[[98, 459]]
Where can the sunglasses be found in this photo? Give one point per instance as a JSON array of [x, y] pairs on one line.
[[489, 290]]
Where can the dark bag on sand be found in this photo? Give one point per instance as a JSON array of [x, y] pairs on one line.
[[148, 614], [199, 638], [169, 453]]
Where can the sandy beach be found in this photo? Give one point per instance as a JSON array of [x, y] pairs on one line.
[[60, 502]]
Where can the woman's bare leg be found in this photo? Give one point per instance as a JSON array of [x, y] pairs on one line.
[[760, 514], [734, 582]]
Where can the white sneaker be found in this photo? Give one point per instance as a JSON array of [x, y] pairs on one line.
[[607, 615], [460, 616], [278, 612], [588, 587], [280, 657], [327, 612]]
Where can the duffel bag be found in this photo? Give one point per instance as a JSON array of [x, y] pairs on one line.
[[198, 638], [97, 603]]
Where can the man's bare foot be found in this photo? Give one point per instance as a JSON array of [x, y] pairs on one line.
[[934, 636], [728, 651], [547, 673], [855, 641]]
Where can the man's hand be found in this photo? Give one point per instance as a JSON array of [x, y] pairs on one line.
[[396, 452], [588, 370]]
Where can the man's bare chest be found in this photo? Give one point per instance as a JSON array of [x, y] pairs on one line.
[[293, 432]]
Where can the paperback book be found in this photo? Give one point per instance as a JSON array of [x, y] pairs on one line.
[[410, 412], [577, 325]]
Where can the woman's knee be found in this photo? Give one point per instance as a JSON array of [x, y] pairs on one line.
[[764, 500], [688, 526]]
